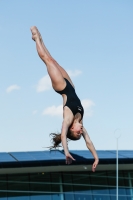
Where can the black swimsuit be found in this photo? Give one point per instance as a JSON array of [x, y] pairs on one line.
[[73, 102]]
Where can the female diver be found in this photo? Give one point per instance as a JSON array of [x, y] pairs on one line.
[[72, 125]]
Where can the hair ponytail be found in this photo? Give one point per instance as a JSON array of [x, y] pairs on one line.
[[56, 140]]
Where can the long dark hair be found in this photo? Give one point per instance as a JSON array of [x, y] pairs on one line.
[[56, 139]]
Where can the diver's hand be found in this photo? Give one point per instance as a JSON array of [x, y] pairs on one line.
[[69, 158], [95, 165]]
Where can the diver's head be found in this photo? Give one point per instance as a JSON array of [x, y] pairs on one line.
[[75, 131]]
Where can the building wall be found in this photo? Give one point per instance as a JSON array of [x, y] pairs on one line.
[[66, 186]]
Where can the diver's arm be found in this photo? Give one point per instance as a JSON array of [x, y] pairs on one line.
[[65, 125], [64, 130], [91, 147]]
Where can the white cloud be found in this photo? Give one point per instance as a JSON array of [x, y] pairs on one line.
[[54, 110], [88, 104], [58, 110], [44, 84], [74, 73], [12, 87], [34, 112]]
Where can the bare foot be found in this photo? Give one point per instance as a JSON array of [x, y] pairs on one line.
[[35, 33]]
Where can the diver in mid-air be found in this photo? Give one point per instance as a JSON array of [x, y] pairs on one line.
[[72, 125]]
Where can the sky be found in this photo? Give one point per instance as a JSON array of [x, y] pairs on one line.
[[93, 42]]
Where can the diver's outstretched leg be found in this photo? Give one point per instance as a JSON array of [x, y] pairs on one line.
[[55, 74], [64, 73]]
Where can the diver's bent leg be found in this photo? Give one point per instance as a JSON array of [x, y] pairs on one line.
[[64, 73], [55, 74]]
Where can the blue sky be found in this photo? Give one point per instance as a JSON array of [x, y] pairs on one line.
[[93, 41]]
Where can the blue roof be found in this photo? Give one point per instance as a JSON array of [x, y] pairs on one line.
[[56, 157], [6, 157]]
